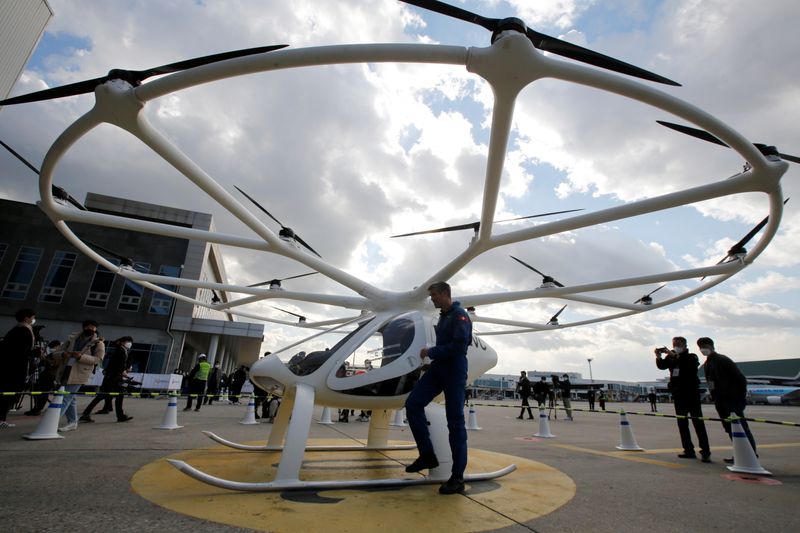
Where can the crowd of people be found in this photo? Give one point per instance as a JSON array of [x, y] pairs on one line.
[[29, 363]]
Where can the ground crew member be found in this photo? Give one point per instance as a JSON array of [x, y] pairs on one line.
[[448, 374], [197, 382], [524, 391]]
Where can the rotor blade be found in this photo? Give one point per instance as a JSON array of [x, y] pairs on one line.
[[58, 192], [476, 225], [535, 216], [555, 316], [657, 289], [584, 55], [540, 273], [124, 260], [300, 276], [282, 279], [285, 311], [299, 239], [694, 132], [135, 77], [471, 225], [260, 207], [455, 12], [752, 233], [705, 136]]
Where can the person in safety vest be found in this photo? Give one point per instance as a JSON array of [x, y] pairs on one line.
[[197, 382]]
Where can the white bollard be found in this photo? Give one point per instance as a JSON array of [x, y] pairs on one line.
[[171, 415], [627, 441], [326, 416], [48, 427], [472, 419], [544, 426], [744, 458], [250, 415], [398, 419]]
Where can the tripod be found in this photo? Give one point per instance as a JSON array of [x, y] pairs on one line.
[[553, 406]]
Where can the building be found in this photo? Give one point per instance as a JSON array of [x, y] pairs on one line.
[[22, 23], [40, 269]]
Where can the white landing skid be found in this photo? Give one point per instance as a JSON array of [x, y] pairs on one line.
[[294, 422]]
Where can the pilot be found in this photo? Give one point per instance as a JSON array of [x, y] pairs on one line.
[[448, 374]]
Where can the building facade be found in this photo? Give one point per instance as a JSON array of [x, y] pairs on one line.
[[40, 269]]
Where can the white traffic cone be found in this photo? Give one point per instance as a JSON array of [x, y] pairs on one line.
[[48, 427], [326, 416], [544, 426], [398, 419], [250, 415], [744, 458], [171, 415], [627, 441], [472, 419]]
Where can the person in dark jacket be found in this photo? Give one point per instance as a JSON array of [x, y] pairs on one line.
[[685, 388], [237, 380], [447, 374], [566, 394], [16, 350], [590, 395], [213, 385], [541, 390], [728, 388], [524, 391], [113, 380]]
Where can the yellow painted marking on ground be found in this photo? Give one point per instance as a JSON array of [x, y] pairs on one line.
[[627, 456], [533, 490]]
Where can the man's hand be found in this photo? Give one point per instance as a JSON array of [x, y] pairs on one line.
[[423, 353]]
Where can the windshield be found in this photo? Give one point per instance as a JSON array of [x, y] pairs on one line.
[[308, 355]]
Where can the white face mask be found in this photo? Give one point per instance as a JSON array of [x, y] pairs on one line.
[[128, 345], [33, 321], [678, 349], [706, 351]]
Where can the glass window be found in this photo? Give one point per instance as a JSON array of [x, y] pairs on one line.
[[3, 248], [19, 280], [132, 292], [147, 358], [100, 288], [57, 277], [161, 304], [306, 356]]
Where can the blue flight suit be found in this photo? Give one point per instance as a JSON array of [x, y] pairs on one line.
[[448, 374]]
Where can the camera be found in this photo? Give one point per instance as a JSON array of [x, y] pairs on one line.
[[663, 349]]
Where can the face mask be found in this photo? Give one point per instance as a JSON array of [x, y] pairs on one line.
[[33, 321], [706, 351], [88, 332], [679, 349], [128, 345]]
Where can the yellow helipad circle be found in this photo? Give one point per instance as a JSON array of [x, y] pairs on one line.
[[533, 490]]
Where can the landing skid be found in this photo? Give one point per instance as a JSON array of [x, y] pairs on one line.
[[273, 448], [296, 484]]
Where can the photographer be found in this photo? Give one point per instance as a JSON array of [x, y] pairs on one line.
[[114, 380], [685, 388], [524, 391]]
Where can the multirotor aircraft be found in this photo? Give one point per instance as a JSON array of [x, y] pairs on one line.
[[388, 328]]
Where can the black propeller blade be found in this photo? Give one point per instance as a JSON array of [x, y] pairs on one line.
[[300, 318], [215, 299], [134, 77], [704, 135], [545, 278], [646, 299], [285, 233], [554, 319], [738, 248], [58, 192], [276, 283], [477, 225], [123, 261], [541, 41]]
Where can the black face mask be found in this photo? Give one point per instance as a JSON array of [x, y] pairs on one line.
[[88, 332]]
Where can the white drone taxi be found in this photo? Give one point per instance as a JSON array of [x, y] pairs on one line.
[[387, 328]]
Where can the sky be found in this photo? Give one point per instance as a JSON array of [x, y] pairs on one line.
[[349, 155]]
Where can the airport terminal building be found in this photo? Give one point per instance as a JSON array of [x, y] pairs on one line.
[[40, 269]]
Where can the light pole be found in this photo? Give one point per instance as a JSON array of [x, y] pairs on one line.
[[590, 369]]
